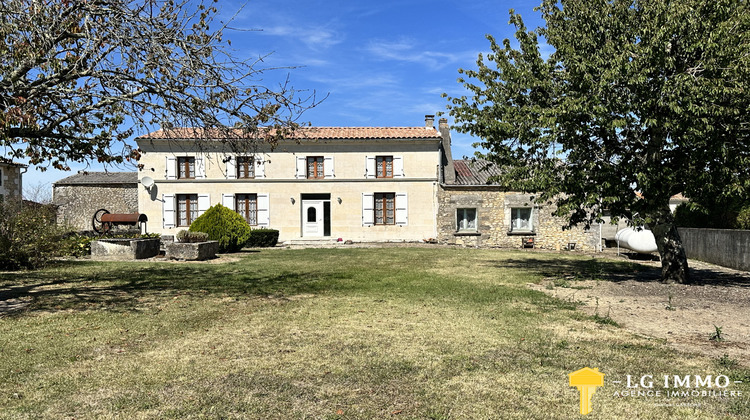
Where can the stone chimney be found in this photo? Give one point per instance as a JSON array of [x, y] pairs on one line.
[[449, 171], [429, 121]]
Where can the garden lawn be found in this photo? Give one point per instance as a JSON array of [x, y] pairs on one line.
[[328, 333]]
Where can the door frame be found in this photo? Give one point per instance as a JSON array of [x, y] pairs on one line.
[[324, 221]]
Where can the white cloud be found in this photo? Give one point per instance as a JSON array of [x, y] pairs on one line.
[[383, 80], [408, 51], [315, 38]]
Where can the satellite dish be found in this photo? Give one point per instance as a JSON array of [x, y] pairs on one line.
[[147, 182]]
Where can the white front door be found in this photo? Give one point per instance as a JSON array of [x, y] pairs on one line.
[[312, 218]]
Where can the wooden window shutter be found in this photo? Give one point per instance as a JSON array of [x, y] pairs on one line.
[[168, 213], [402, 213], [368, 209]]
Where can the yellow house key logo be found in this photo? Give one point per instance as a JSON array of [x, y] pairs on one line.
[[586, 380]]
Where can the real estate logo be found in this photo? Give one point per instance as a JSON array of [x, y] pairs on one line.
[[666, 390], [586, 380]]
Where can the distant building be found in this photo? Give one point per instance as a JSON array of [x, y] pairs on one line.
[[10, 179], [79, 196]]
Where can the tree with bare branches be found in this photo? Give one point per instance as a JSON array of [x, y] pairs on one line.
[[78, 78]]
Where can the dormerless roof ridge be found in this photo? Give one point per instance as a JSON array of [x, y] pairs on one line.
[[97, 178], [304, 133]]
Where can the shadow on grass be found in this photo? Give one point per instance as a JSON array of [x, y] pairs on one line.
[[127, 286], [124, 286], [619, 271]]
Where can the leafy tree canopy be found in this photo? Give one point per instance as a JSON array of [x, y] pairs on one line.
[[78, 78], [639, 101]]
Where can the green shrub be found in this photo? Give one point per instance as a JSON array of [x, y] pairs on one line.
[[77, 245], [223, 225], [29, 236], [260, 238], [743, 218], [185, 236]]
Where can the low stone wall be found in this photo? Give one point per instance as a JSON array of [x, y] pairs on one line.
[[127, 249], [494, 220], [725, 247]]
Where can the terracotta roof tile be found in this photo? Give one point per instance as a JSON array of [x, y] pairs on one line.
[[309, 133]]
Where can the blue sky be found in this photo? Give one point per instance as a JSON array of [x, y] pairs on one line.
[[383, 63]]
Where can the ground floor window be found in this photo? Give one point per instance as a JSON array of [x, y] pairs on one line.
[[466, 219], [247, 206], [521, 219], [385, 208], [187, 209]]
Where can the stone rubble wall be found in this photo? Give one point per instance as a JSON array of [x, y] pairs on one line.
[[494, 220], [76, 204], [11, 181]]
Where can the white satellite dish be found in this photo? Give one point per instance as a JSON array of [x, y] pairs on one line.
[[147, 182]]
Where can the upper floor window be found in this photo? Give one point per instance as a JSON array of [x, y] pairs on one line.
[[186, 167], [245, 167], [521, 219], [315, 167], [384, 167], [187, 209]]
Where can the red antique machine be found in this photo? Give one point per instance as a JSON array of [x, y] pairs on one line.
[[103, 221]]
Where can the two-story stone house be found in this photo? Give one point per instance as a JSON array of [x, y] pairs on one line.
[[354, 183]]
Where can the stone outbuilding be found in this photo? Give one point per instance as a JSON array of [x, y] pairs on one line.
[[475, 212], [10, 179], [79, 196]]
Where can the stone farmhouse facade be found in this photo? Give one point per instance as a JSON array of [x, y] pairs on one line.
[[79, 196], [365, 184], [10, 179], [353, 183]]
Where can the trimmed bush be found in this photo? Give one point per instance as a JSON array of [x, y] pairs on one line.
[[263, 238], [223, 225], [188, 237]]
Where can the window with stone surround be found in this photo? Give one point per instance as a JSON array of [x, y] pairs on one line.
[[247, 206], [315, 167], [520, 219], [186, 167], [187, 209], [384, 167], [385, 208], [466, 220], [245, 167]]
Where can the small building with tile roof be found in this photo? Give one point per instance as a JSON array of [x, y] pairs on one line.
[[79, 196], [476, 211]]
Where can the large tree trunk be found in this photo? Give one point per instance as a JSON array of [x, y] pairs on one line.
[[674, 265]]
